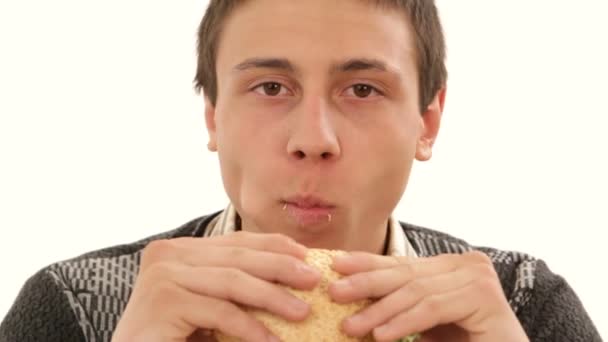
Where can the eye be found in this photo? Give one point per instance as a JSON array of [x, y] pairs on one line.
[[362, 90], [270, 89]]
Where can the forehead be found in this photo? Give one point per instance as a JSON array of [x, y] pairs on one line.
[[316, 33]]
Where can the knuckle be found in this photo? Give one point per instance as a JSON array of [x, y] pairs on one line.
[[486, 270], [163, 292], [232, 277], [277, 239], [416, 287], [159, 271], [234, 284], [407, 270], [157, 250], [225, 309], [479, 257], [452, 260], [361, 281], [402, 260], [432, 304], [236, 253], [487, 285]]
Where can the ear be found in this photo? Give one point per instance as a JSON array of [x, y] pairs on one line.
[[431, 120], [211, 127]]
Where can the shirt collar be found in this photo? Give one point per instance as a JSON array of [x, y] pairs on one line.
[[398, 244]]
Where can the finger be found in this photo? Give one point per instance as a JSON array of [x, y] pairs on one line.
[[170, 249], [478, 306], [356, 262], [211, 313], [380, 282], [439, 309], [276, 243], [272, 267], [237, 286], [409, 296], [373, 284], [279, 267]]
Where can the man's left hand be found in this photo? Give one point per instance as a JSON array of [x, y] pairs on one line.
[[449, 297]]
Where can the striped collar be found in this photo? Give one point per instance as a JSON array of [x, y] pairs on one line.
[[398, 244]]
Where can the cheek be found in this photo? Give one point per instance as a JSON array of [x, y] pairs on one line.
[[389, 157], [246, 178], [385, 158], [246, 154]]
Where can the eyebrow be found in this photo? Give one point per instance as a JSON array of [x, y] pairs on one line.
[[268, 63], [350, 65], [357, 64]]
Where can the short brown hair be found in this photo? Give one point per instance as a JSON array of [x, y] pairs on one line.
[[424, 20]]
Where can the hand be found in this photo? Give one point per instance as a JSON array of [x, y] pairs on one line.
[[450, 297], [188, 285]]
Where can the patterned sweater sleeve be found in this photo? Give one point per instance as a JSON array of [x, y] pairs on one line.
[[41, 312], [554, 312]]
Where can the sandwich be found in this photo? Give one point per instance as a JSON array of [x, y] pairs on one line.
[[325, 318]]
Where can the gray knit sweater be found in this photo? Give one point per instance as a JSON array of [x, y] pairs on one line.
[[82, 299]]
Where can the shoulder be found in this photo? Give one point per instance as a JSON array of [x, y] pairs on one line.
[[429, 242], [115, 264], [193, 228], [40, 313], [89, 292]]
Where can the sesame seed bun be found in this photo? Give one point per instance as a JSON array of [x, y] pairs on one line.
[[323, 323]]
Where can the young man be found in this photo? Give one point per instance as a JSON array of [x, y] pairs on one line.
[[317, 110]]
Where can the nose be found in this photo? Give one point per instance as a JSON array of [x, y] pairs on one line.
[[311, 132]]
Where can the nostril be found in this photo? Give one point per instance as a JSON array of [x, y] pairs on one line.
[[301, 155]]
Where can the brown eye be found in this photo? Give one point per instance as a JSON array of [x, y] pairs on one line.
[[272, 88], [362, 90]]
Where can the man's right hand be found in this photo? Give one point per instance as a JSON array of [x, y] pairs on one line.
[[187, 285]]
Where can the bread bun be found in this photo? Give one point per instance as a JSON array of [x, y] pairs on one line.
[[323, 323]]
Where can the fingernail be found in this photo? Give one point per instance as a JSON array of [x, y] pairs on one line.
[[272, 338], [353, 320], [302, 250], [342, 256], [298, 306], [299, 246], [381, 330], [342, 285], [341, 259], [306, 269]]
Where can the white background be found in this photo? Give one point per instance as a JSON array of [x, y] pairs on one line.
[[102, 138]]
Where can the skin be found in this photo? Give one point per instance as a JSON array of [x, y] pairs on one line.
[[314, 130], [188, 286], [316, 137]]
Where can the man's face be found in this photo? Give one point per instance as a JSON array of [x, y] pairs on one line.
[[318, 101]]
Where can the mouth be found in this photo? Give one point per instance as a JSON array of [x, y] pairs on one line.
[[308, 210]]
